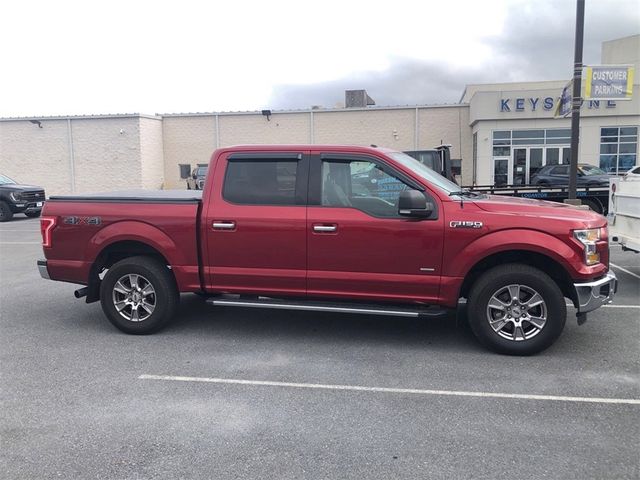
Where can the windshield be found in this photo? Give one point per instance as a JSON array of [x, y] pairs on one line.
[[201, 171], [425, 172], [4, 180], [591, 170]]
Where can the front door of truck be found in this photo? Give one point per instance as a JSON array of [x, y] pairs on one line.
[[256, 224], [359, 247]]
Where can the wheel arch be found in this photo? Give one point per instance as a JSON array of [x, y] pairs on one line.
[[113, 253], [538, 260]]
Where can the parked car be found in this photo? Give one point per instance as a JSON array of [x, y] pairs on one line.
[[588, 176], [197, 178], [17, 198], [281, 227]]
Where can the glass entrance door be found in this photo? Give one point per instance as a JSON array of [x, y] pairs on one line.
[[526, 162], [519, 167]]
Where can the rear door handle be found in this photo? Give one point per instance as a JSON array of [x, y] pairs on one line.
[[223, 225], [325, 228]]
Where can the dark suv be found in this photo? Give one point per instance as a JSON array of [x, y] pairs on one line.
[[197, 178], [588, 176], [15, 198]]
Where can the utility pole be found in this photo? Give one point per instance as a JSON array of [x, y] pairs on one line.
[[576, 101]]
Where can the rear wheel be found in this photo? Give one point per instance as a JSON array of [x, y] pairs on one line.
[[5, 212], [516, 309], [139, 295]]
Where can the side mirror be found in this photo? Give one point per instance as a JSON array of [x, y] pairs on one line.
[[413, 203]]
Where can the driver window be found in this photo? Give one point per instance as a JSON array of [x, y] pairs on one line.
[[362, 185]]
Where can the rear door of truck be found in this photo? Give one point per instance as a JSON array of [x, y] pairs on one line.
[[255, 223]]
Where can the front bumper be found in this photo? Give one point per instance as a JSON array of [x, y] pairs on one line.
[[42, 268], [26, 207], [592, 295]]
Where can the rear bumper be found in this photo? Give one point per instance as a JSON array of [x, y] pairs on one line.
[[42, 268], [592, 295]]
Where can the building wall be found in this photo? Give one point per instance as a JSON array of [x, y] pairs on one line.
[[625, 51], [106, 154], [255, 128], [187, 140], [37, 156], [388, 128], [151, 153]]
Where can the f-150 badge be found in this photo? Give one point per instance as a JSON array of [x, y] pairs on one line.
[[465, 224]]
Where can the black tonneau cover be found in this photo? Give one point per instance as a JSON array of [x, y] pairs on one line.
[[135, 196]]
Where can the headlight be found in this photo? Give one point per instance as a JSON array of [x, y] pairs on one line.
[[15, 196], [588, 238]]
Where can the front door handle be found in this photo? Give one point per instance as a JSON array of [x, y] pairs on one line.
[[223, 225], [325, 228]]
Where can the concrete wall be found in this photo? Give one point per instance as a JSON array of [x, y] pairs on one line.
[[280, 128], [190, 139], [36, 156], [151, 153], [106, 154], [186, 139]]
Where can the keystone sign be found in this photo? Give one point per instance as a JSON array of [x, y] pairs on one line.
[[542, 103], [609, 82]]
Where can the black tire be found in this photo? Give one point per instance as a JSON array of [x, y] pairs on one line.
[[593, 205], [33, 214], [165, 296], [5, 212], [529, 280]]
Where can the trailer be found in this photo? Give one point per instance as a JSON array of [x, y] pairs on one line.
[[596, 198], [624, 214]]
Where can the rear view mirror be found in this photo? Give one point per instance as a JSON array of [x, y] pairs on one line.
[[413, 203]]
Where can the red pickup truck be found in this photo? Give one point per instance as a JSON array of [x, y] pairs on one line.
[[333, 229]]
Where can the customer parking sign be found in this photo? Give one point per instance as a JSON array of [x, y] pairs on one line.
[[609, 82]]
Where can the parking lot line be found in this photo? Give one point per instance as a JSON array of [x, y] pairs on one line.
[[415, 391], [625, 270], [618, 306], [20, 243]]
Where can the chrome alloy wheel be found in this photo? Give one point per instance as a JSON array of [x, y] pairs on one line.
[[134, 297], [517, 312]]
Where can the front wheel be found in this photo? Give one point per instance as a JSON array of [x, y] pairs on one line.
[[516, 309], [139, 295], [5, 212]]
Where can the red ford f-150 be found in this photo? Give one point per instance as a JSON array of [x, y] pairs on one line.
[[333, 229]]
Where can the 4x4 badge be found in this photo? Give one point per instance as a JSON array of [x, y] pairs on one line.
[[465, 224]]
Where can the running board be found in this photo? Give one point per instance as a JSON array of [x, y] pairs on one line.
[[320, 306]]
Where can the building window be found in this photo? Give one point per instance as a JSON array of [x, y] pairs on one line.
[[618, 148], [185, 170]]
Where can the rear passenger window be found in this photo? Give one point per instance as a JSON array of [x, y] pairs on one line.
[[261, 182]]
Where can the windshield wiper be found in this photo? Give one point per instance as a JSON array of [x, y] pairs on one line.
[[465, 193]]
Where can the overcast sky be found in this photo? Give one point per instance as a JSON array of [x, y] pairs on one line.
[[154, 56]]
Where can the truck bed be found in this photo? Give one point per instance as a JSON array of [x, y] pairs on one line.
[[88, 225]]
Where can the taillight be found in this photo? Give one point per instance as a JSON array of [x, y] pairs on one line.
[[46, 226]]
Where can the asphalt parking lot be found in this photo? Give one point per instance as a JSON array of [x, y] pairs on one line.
[[278, 394]]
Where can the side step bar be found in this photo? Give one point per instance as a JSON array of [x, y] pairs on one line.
[[320, 306]]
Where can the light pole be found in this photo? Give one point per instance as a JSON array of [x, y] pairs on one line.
[[576, 101]]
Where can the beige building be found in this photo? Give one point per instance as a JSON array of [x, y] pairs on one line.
[[500, 132]]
